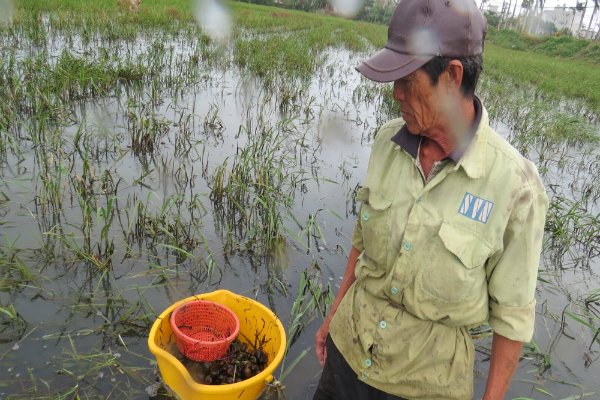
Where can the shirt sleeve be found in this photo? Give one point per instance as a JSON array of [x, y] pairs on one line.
[[357, 237], [512, 272]]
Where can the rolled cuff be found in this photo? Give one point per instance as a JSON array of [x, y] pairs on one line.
[[515, 323]]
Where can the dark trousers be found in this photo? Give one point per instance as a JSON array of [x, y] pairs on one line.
[[339, 382]]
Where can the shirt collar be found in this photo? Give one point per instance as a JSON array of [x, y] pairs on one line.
[[410, 143], [461, 147], [473, 161], [407, 141]]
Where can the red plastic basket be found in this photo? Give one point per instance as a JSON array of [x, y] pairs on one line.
[[204, 329]]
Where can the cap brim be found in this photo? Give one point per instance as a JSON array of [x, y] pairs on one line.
[[388, 65]]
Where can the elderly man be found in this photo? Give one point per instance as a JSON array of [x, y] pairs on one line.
[[449, 232]]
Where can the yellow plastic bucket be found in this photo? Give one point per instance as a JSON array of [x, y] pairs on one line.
[[256, 320]]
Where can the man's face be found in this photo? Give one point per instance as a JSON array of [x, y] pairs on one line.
[[420, 101]]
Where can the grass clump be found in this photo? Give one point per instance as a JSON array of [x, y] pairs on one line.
[[556, 78], [251, 197], [275, 56], [532, 116], [554, 46], [276, 42]]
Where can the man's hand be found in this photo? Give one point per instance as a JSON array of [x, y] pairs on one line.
[[320, 337], [347, 281], [504, 362]]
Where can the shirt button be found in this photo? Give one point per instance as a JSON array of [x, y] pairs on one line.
[[368, 362], [364, 376], [419, 200], [383, 324], [366, 216], [407, 246], [394, 291]]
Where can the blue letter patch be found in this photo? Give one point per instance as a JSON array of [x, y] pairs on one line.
[[476, 208]]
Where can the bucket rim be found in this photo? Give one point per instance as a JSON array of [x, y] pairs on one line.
[[264, 376]]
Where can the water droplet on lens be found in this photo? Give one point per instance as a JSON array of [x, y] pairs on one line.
[[7, 10], [213, 18], [346, 8], [423, 42]]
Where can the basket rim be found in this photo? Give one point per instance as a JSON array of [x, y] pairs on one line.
[[190, 340]]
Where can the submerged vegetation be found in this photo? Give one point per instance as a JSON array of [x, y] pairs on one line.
[[142, 162]]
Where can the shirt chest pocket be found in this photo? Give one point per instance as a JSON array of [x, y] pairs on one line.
[[375, 223], [453, 270]]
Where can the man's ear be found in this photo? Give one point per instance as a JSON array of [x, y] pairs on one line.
[[454, 75]]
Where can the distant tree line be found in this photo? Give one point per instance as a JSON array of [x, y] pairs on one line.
[[494, 20], [371, 10], [533, 17], [524, 16]]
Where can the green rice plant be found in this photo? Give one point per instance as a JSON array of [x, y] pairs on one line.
[[12, 325], [9, 311], [481, 332], [533, 352], [592, 301], [84, 187], [51, 191], [531, 116], [106, 214], [7, 141], [592, 322], [146, 128], [171, 229], [100, 262], [312, 299], [586, 312], [96, 366], [312, 231], [569, 224], [555, 78], [253, 196], [14, 271], [213, 125]]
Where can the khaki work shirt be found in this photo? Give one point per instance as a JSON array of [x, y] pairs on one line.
[[438, 258]]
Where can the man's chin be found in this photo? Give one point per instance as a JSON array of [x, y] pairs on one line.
[[412, 128]]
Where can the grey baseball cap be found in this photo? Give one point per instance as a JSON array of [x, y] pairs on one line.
[[422, 29]]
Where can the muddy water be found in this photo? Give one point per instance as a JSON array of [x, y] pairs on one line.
[[84, 327]]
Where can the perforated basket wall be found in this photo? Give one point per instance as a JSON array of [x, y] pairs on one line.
[[204, 329]]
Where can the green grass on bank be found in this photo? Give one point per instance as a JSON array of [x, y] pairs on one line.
[[553, 46], [312, 33], [355, 35], [556, 77]]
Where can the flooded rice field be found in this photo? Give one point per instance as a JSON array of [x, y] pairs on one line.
[[140, 169]]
